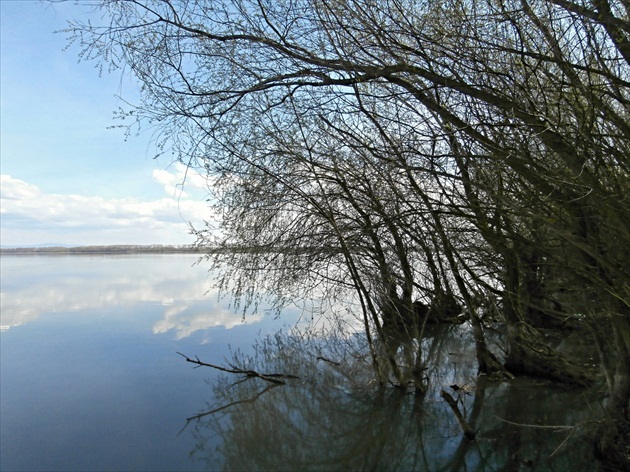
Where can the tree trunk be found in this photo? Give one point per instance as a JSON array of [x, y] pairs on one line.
[[527, 353], [488, 363], [613, 438]]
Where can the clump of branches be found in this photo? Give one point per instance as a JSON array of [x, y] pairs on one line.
[[423, 160]]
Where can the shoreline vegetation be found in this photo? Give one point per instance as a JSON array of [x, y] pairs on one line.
[[113, 249]]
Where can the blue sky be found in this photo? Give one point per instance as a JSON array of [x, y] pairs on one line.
[[67, 177]]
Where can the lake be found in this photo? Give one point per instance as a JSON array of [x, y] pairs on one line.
[[91, 380]]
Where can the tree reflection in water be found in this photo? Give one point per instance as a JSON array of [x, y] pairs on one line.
[[336, 418]]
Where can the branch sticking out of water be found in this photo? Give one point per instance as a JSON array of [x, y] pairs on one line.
[[468, 431], [273, 378], [320, 358]]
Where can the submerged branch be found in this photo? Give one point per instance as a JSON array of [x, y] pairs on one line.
[[539, 426], [273, 378]]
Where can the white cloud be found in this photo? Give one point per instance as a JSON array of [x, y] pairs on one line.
[[16, 189], [182, 178], [31, 216]]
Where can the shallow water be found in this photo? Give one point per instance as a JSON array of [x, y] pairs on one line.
[[90, 380]]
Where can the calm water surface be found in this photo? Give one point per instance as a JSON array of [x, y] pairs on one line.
[[90, 380], [90, 375]]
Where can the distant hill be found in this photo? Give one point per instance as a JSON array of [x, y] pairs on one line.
[[44, 245], [117, 249]]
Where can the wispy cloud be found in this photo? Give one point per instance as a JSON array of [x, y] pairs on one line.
[[31, 216]]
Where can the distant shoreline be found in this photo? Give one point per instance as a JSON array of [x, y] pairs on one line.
[[116, 249]]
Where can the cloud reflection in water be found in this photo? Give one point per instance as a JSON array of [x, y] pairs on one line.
[[181, 289]]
